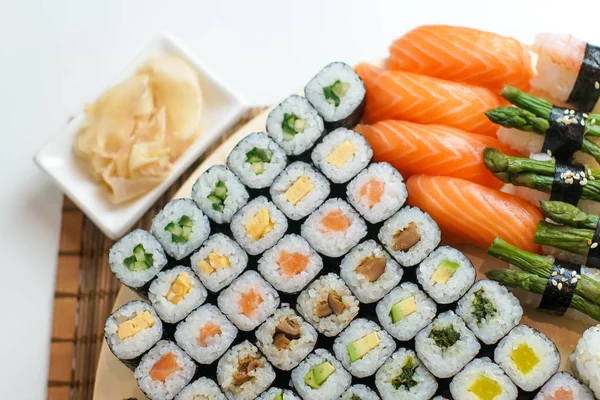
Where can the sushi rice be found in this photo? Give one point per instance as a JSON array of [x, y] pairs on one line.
[[202, 388], [273, 392], [331, 388], [562, 383], [404, 377], [481, 378], [585, 360], [360, 392]]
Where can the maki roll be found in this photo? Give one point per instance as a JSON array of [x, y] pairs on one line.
[[342, 154], [446, 345], [176, 293], [338, 94], [131, 331], [219, 193], [482, 379], [218, 262], [180, 227], [359, 392], [291, 264], [328, 304], [410, 235], [405, 311], [258, 225], [278, 394], [164, 371], [285, 338], [404, 377], [248, 301], [334, 228], [489, 310], [563, 386], [136, 258], [528, 357], [320, 377], [370, 272], [243, 373], [257, 160], [295, 125], [585, 359], [377, 192], [363, 347], [205, 334], [299, 190], [203, 388], [446, 274]]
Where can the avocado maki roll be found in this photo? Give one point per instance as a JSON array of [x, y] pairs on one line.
[[320, 377], [403, 376], [482, 379], [276, 393]]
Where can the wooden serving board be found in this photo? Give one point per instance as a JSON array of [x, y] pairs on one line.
[[114, 381]]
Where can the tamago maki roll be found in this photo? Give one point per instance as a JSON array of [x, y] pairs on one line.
[[338, 94], [320, 377], [180, 227], [295, 125], [403, 376], [482, 379]]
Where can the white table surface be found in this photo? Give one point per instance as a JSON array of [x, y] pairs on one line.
[[55, 55]]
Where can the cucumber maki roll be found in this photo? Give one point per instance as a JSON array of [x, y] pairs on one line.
[[257, 160], [202, 388], [276, 393], [320, 377], [295, 125], [338, 94], [359, 392], [482, 379], [219, 193], [403, 376]]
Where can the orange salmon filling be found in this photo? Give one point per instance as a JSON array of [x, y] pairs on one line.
[[372, 191], [335, 221], [561, 394], [291, 264], [249, 302], [164, 367], [208, 331]]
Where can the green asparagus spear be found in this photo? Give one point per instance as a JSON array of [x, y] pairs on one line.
[[540, 266], [536, 284], [536, 105], [574, 240], [567, 214], [514, 117]]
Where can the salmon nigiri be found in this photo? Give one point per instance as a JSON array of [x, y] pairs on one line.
[[430, 149], [472, 213], [463, 55], [426, 100]]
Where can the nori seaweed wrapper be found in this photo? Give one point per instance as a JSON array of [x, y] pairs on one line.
[[593, 255], [559, 289], [584, 94], [563, 191], [560, 139]]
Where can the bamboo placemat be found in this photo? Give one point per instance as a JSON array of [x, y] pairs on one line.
[[86, 290]]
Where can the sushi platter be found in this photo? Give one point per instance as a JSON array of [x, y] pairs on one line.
[[353, 243]]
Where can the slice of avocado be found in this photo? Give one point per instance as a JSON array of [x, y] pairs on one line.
[[279, 396], [359, 348], [445, 271], [340, 88], [309, 379], [258, 167], [322, 372], [403, 309]]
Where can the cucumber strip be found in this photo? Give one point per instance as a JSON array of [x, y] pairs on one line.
[[257, 167]]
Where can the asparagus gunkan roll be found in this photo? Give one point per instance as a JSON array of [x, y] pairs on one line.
[[320, 377], [489, 310], [218, 262], [295, 125], [377, 192], [528, 357], [563, 385], [257, 160], [203, 389], [446, 345], [164, 371], [299, 190], [585, 361], [180, 227], [338, 94], [342, 154], [205, 334], [219, 193], [285, 338], [175, 293], [370, 271], [482, 379], [405, 311], [258, 225], [403, 376], [243, 373], [131, 331]]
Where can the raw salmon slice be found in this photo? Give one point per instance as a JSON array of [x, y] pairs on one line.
[[335, 221], [208, 331], [372, 191], [419, 98], [463, 54], [561, 394], [249, 301], [291, 264], [164, 367], [431, 149], [476, 214]]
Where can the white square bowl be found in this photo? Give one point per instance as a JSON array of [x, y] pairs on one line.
[[222, 107]]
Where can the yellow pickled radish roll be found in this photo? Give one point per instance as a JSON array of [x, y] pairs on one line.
[[481, 379]]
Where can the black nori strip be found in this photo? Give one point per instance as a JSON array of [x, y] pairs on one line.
[[554, 300], [560, 139], [584, 94], [563, 191], [593, 255]]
